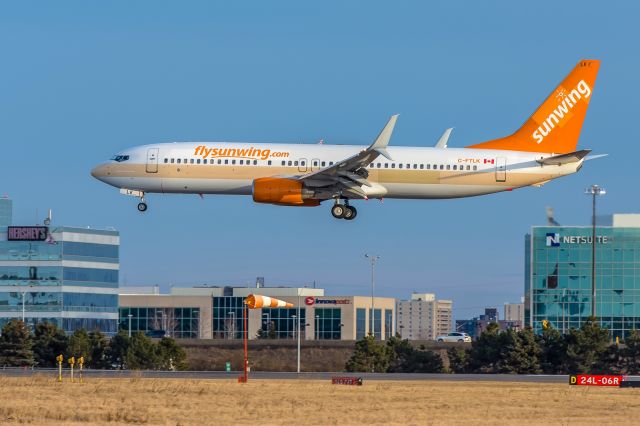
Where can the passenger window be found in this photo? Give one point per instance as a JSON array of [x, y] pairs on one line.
[[415, 166], [295, 163], [323, 164], [198, 161], [166, 160], [331, 163], [226, 161], [441, 167], [178, 161], [172, 161], [219, 161], [315, 163], [255, 162], [284, 163], [241, 162], [302, 163], [289, 163], [399, 166], [475, 167], [393, 165], [185, 161], [455, 167], [386, 165], [204, 161], [408, 166], [448, 167], [191, 161], [371, 165], [379, 165], [233, 161], [269, 163], [468, 167]]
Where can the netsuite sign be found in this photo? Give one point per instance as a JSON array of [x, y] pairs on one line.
[[555, 239]]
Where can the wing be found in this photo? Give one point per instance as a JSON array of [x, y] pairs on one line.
[[349, 176]]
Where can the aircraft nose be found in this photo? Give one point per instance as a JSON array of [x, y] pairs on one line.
[[101, 171]]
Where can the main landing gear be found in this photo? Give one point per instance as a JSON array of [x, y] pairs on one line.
[[142, 206], [344, 211]]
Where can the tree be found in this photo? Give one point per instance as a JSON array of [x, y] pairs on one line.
[[519, 352], [553, 358], [458, 360], [630, 354], [369, 356], [586, 348], [142, 353], [49, 342], [79, 345], [404, 358], [172, 356], [16, 345], [116, 352], [98, 345], [485, 351]]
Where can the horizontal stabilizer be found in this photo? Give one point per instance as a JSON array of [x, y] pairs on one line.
[[594, 157], [571, 157]]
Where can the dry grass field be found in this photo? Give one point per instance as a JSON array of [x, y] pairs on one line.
[[42, 401]]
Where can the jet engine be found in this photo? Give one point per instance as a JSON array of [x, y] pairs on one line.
[[282, 191]]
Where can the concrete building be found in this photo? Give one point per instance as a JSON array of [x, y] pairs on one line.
[[59, 274], [423, 317], [216, 313], [558, 279], [514, 312]]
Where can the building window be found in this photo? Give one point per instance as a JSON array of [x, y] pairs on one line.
[[328, 324], [377, 322], [282, 324], [361, 323], [227, 318]]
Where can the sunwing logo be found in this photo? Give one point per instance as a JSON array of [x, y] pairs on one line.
[[562, 113], [251, 153], [553, 240]]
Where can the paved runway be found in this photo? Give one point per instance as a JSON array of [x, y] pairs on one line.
[[265, 375]]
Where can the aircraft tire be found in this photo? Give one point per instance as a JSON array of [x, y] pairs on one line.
[[338, 211], [142, 207]]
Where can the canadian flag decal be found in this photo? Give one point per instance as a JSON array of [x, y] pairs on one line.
[[489, 161]]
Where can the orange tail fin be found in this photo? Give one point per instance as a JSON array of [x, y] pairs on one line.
[[556, 124]]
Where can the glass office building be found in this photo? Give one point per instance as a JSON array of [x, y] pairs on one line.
[[558, 285], [64, 275]]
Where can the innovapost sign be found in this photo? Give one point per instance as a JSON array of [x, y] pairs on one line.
[[318, 301]]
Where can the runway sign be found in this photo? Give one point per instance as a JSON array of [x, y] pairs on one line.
[[595, 380], [355, 381]]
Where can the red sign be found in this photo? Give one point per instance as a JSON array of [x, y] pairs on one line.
[[595, 380], [309, 300], [354, 381], [489, 160]]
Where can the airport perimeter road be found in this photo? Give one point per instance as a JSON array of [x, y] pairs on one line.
[[265, 375]]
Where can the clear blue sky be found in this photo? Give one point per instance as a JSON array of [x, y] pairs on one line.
[[81, 80]]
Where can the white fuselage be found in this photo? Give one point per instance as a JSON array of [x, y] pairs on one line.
[[420, 173]]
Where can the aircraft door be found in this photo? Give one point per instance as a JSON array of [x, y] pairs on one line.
[[152, 160], [302, 165], [501, 169]]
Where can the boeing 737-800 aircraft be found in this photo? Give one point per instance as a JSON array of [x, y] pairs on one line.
[[544, 148]]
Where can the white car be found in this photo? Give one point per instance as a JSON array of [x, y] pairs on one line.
[[454, 337]]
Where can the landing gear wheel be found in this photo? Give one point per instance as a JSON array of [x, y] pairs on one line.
[[351, 213], [142, 207], [338, 211]]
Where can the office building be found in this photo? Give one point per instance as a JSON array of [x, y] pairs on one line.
[[558, 279], [60, 274], [211, 312], [423, 317], [514, 312]]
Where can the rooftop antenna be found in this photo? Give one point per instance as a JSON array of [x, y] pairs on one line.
[[550, 220], [47, 220]]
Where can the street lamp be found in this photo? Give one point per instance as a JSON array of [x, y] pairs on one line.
[[593, 190], [374, 259], [130, 316]]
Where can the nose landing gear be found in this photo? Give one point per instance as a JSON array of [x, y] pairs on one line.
[[142, 206]]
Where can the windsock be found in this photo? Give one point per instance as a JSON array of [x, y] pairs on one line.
[[255, 301]]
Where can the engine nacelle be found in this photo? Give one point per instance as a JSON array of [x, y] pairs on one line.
[[281, 191]]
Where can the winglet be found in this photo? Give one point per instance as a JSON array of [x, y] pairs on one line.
[[442, 143], [385, 135]]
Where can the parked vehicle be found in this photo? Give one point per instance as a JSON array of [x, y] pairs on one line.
[[454, 337]]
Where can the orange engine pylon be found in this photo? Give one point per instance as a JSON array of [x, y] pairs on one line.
[[255, 301]]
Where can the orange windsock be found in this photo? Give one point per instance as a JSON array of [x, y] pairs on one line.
[[255, 301]]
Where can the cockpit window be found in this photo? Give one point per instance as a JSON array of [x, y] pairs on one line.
[[120, 158]]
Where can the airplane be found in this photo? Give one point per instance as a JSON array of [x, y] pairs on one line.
[[543, 149]]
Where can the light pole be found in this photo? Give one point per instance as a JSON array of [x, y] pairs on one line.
[[374, 259], [593, 190], [298, 316], [130, 316]]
